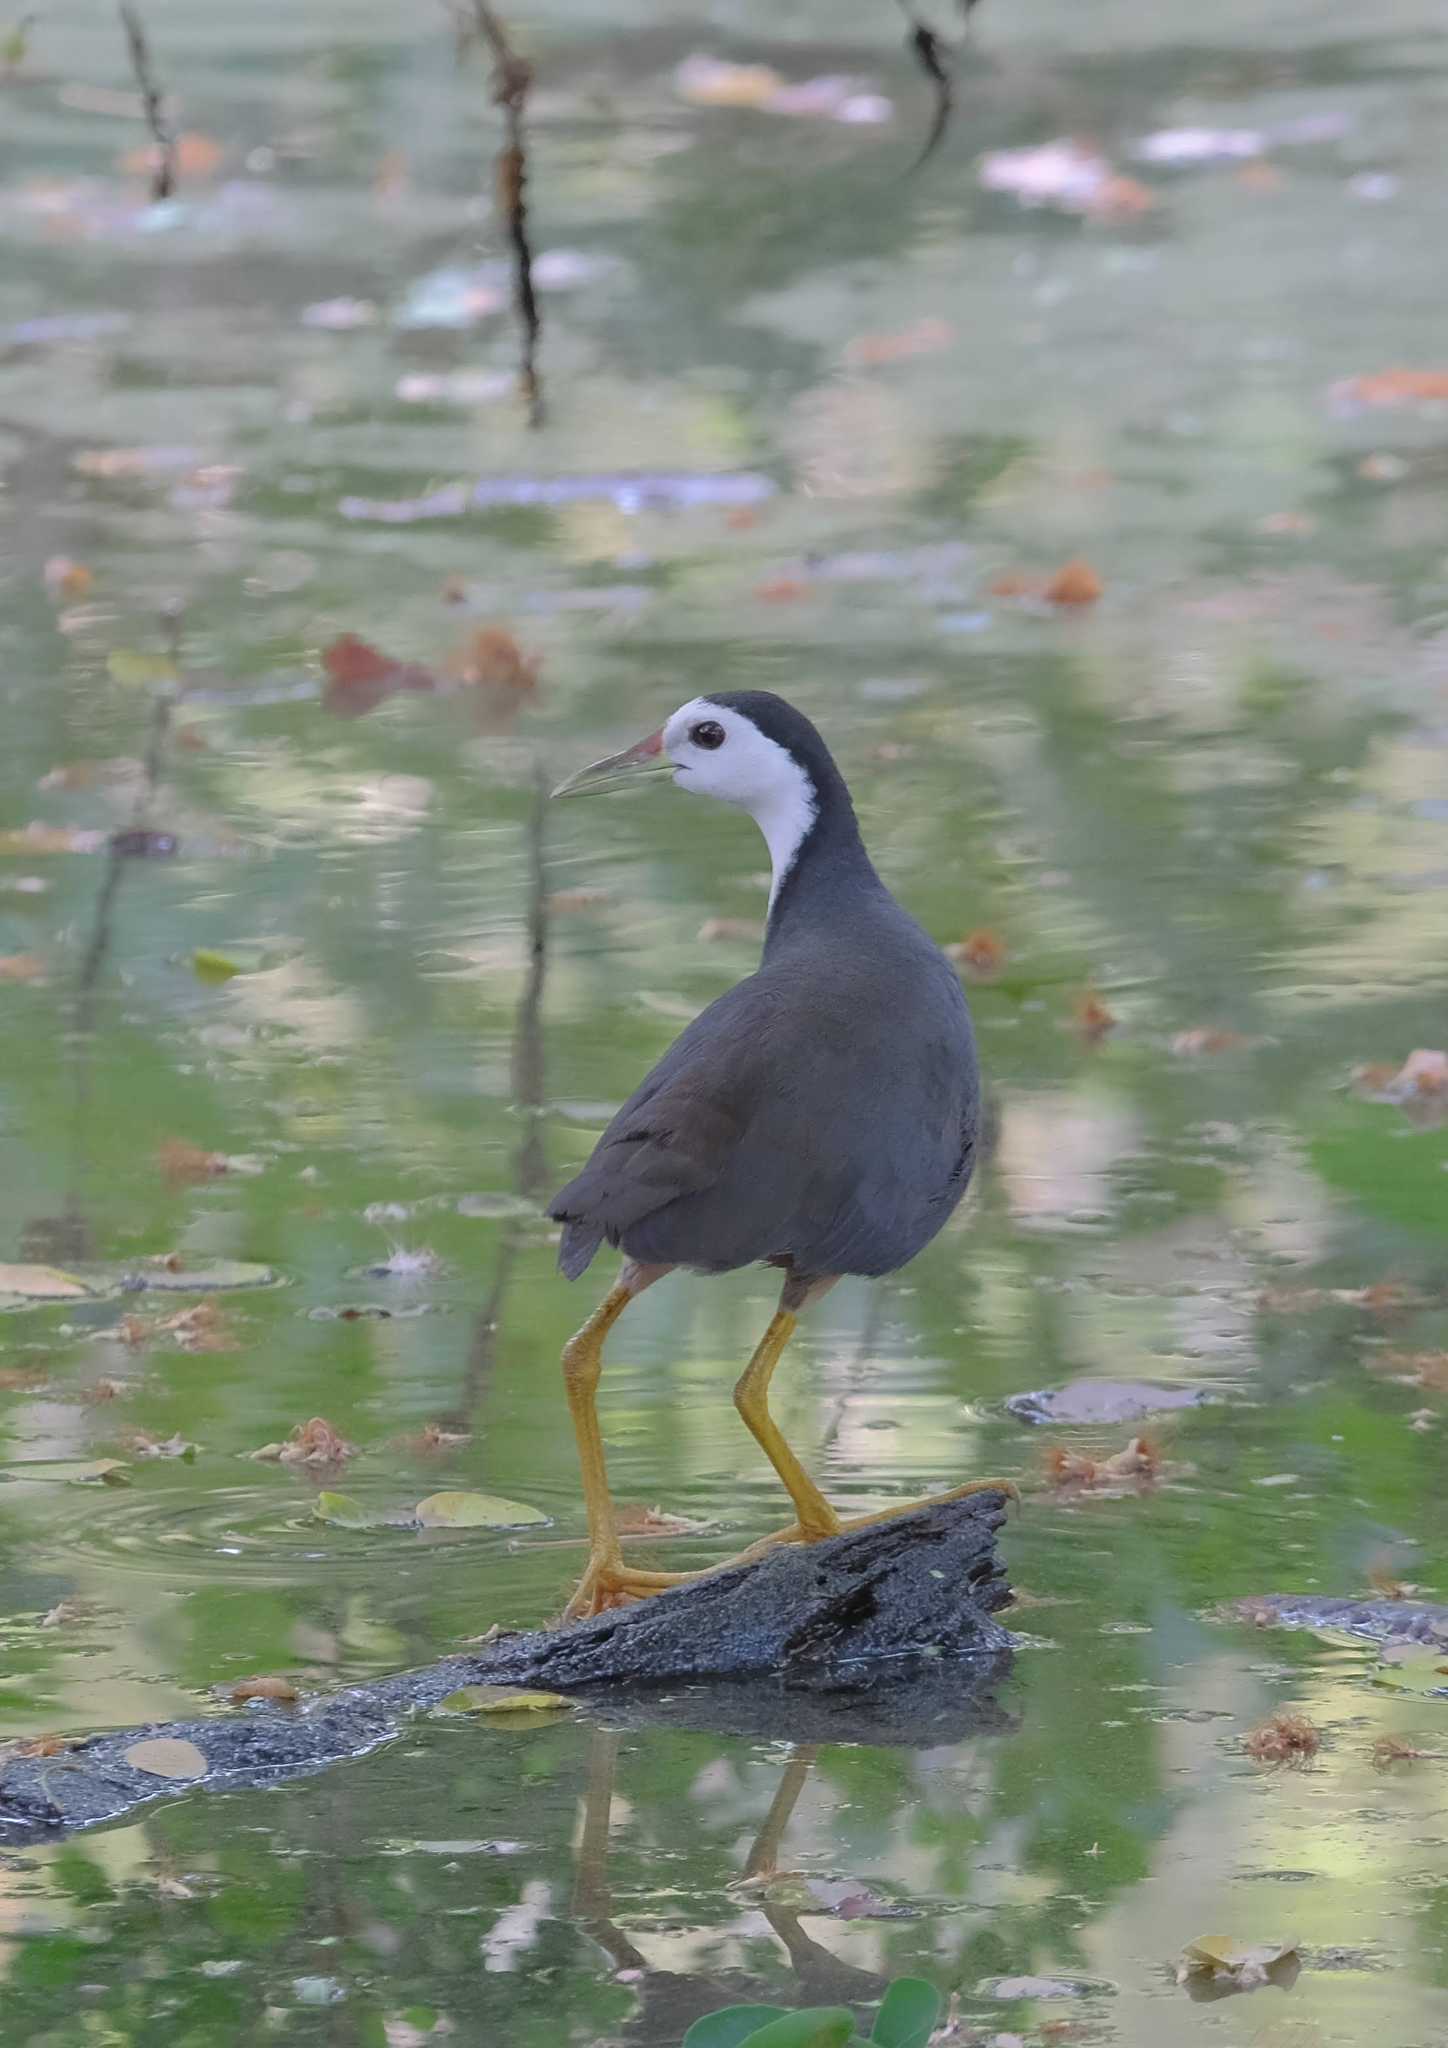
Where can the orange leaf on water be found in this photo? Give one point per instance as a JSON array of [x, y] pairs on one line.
[[359, 677], [1075, 583]]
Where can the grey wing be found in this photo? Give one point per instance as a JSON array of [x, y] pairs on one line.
[[674, 1138]]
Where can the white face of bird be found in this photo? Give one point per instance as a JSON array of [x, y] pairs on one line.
[[719, 752], [713, 750]]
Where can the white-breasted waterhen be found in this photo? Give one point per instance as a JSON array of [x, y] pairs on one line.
[[822, 1116]]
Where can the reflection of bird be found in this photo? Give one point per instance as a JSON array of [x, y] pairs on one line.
[[822, 1116]]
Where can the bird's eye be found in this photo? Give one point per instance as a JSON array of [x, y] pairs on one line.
[[707, 733]]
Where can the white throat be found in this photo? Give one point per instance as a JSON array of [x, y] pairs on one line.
[[785, 816]]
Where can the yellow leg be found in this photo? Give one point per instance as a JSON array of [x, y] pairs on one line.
[[817, 1518], [607, 1581]]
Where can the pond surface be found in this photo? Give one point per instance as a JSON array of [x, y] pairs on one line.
[[1212, 803]]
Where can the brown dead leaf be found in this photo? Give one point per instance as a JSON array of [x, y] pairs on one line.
[[1389, 1750], [783, 589], [1283, 1738], [433, 1439], [20, 1379], [266, 1688], [1422, 1079], [1017, 583], [63, 1612], [1140, 1463], [359, 678], [1093, 1020], [981, 954], [925, 338], [21, 967], [1413, 1368], [196, 157], [201, 1328], [143, 1445], [181, 1162], [1205, 1039], [1075, 583], [1387, 1587], [67, 581], [42, 1745], [636, 1520], [491, 662], [314, 1443], [715, 930], [578, 902], [1394, 387]]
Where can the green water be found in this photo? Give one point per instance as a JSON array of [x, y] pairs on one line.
[[1219, 797]]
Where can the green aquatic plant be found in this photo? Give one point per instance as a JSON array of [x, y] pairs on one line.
[[906, 2019]]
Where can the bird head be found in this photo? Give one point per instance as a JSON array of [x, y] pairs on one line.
[[713, 746]]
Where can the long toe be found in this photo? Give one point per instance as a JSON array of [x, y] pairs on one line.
[[604, 1586]]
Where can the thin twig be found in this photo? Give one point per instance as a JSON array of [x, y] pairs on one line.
[[163, 178], [530, 1162], [131, 840], [512, 77]]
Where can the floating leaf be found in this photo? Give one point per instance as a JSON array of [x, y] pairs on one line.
[[1076, 583], [1240, 1965], [1409, 1667], [263, 1688], [341, 1509], [211, 966], [177, 1446], [41, 1283], [818, 2026], [21, 967], [314, 1442], [359, 677], [67, 581], [502, 1699], [99, 1472], [140, 671], [475, 1511], [167, 1756], [213, 1277], [907, 2014], [731, 2026]]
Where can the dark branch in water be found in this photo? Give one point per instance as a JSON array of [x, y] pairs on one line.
[[163, 178], [475, 21], [530, 1165]]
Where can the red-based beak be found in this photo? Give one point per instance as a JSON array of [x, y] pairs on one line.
[[617, 771]]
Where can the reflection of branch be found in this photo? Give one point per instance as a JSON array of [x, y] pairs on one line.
[[932, 55], [530, 1165], [512, 77], [133, 840], [163, 178]]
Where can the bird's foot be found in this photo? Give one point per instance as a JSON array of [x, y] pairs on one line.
[[609, 1582], [846, 1524]]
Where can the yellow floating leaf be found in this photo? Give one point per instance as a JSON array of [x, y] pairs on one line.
[[502, 1699], [167, 1756], [475, 1511], [210, 966], [41, 1283], [343, 1510], [129, 665]]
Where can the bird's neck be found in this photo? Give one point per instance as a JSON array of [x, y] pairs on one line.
[[816, 853]]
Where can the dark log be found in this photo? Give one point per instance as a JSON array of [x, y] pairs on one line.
[[880, 1635]]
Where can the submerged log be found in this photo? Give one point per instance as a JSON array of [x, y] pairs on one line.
[[883, 1634]]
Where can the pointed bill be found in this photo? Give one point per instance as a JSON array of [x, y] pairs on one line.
[[620, 771]]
